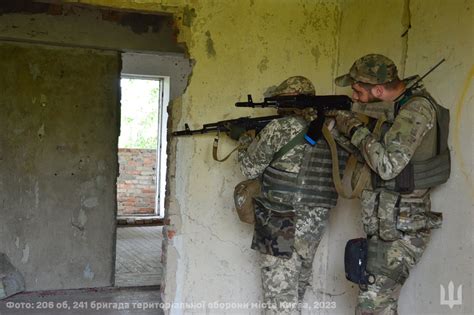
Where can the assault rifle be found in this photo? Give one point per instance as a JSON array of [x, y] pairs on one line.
[[321, 103], [243, 123], [247, 123]]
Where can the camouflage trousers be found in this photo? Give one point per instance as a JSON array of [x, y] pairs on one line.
[[284, 281], [397, 258]]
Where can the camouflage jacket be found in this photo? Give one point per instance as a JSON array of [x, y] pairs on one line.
[[389, 156], [260, 151]]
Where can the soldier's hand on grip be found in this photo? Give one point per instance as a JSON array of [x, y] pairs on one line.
[[347, 122]]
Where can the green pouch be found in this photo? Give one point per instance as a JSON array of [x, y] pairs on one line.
[[387, 214], [380, 263], [274, 229], [411, 223], [370, 202]]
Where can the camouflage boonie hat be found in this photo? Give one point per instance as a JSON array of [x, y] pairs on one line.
[[372, 69], [292, 85]]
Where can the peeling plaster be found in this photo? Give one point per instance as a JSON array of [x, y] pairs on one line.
[[263, 65], [211, 52], [316, 53], [26, 254], [88, 274], [34, 71], [41, 132], [82, 218], [43, 100], [37, 195], [91, 202], [188, 15]]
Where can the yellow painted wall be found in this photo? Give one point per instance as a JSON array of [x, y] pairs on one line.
[[244, 46], [240, 47]]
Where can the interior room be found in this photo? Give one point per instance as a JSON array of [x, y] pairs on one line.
[[150, 227]]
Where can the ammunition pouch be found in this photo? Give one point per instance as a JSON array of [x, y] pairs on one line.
[[378, 261], [387, 214], [244, 193], [382, 215]]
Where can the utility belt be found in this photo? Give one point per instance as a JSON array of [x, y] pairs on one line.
[[386, 217], [388, 214]]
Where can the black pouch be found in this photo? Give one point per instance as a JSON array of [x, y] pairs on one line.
[[355, 263], [405, 181]]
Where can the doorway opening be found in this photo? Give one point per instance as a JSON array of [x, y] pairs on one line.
[[141, 181], [142, 147]]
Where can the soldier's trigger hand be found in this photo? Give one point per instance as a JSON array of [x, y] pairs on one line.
[[250, 133], [346, 122], [235, 131]]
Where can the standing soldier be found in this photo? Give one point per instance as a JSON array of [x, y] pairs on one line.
[[409, 158], [297, 193]]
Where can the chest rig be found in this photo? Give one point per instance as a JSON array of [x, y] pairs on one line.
[[312, 185], [430, 165]]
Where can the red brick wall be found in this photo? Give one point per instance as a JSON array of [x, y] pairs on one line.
[[136, 185]]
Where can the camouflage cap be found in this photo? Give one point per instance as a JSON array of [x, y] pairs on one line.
[[372, 69], [292, 85]]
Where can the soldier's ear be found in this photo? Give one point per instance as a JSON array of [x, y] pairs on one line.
[[377, 91]]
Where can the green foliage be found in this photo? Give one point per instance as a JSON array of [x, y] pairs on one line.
[[139, 122]]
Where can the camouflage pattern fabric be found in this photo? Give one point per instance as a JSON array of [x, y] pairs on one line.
[[389, 157], [274, 229], [292, 85], [387, 214], [259, 153], [289, 232], [372, 69], [397, 257], [285, 281]]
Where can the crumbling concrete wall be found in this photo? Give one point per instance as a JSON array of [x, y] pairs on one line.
[[242, 47], [92, 27], [59, 109]]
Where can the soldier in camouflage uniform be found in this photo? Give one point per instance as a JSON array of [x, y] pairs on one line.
[[396, 216], [297, 193]]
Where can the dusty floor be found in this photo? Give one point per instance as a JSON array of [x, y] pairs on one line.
[[138, 261], [138, 276]]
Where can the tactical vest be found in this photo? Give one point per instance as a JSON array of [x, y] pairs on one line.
[[312, 185], [430, 165]]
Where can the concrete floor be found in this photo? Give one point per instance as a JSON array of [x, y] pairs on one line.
[[105, 301], [138, 260], [137, 278]]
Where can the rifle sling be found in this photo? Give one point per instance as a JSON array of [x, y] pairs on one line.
[[298, 139], [215, 145], [351, 165]]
